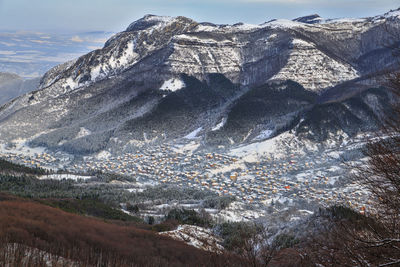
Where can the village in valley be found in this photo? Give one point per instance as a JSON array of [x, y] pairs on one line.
[[298, 180]]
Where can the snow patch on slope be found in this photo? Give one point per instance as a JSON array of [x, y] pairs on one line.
[[103, 155], [196, 236], [394, 13], [82, 133], [193, 134], [187, 149], [246, 27], [283, 23], [345, 20], [206, 28], [151, 20], [276, 147], [121, 61], [264, 135], [219, 125], [173, 84], [20, 147], [70, 83], [254, 151], [107, 66]]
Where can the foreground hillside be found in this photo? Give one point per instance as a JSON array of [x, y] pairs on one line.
[[29, 227], [35, 234]]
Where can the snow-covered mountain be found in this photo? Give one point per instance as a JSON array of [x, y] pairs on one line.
[[167, 78]]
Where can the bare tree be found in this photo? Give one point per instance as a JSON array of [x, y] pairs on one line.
[[381, 176], [373, 239]]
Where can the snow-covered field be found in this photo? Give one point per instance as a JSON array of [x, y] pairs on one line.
[[64, 176], [19, 146], [196, 236]]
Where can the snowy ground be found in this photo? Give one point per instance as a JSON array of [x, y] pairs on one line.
[[19, 146], [64, 176], [196, 236]]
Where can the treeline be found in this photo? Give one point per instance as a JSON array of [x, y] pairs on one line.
[[90, 207], [9, 167]]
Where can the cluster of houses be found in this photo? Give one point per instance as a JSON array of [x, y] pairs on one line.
[[268, 181]]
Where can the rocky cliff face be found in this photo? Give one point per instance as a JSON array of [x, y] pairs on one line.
[[169, 78], [318, 55]]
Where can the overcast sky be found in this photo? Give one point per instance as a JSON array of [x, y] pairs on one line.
[[116, 15]]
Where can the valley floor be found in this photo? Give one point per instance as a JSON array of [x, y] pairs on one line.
[[263, 178]]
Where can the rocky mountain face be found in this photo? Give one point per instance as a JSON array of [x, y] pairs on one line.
[[166, 79]]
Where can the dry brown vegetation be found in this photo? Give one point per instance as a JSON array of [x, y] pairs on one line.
[[28, 229], [372, 239]]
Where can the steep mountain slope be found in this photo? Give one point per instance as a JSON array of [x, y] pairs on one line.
[[357, 114], [168, 78], [264, 112]]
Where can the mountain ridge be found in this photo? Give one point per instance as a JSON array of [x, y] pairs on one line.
[[165, 79], [157, 22]]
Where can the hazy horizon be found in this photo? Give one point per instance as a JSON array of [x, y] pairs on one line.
[[114, 16], [35, 39]]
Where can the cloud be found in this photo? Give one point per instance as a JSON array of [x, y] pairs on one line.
[[29, 52], [92, 47], [21, 33], [76, 39], [303, 1], [278, 1], [7, 44], [36, 57], [15, 60], [99, 40], [8, 53], [40, 41], [318, 3], [59, 58]]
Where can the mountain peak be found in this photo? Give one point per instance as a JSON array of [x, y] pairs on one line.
[[392, 13], [310, 19], [148, 21]]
